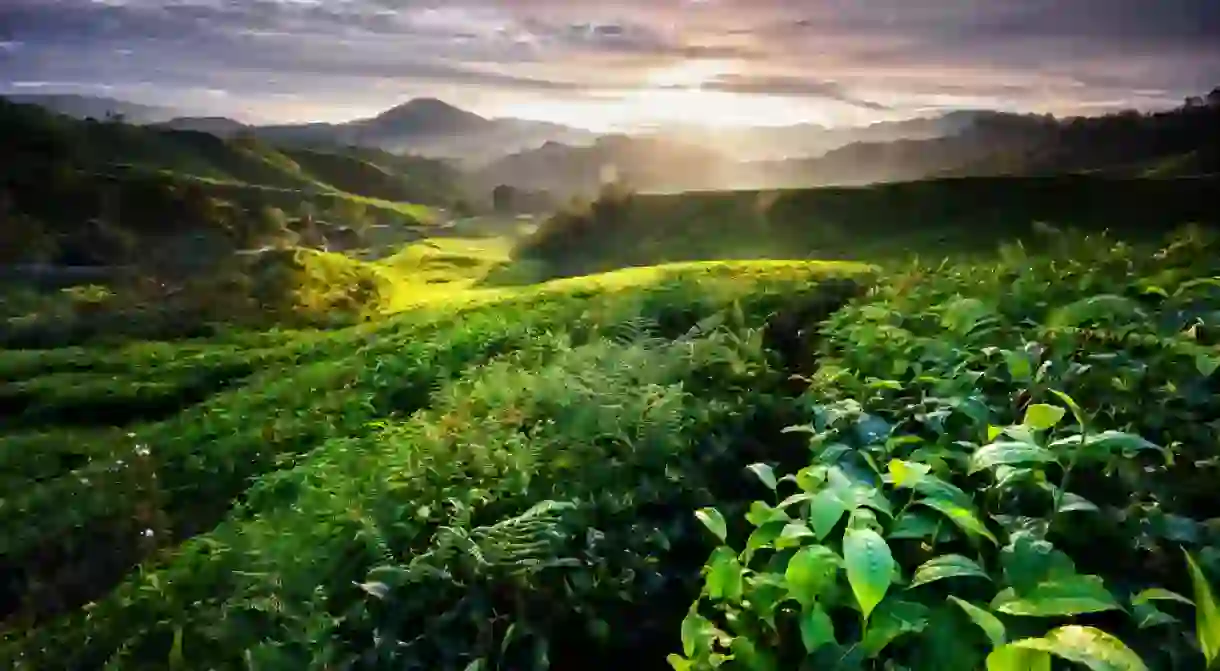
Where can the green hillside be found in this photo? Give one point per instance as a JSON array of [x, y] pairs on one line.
[[930, 217], [837, 465]]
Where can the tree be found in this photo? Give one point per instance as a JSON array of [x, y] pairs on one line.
[[1213, 98], [503, 199]]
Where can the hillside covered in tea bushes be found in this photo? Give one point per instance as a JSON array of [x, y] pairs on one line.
[[990, 461]]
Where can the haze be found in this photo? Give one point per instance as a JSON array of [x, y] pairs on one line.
[[617, 65]]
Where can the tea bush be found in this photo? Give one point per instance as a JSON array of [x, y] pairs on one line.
[[1004, 463], [378, 445], [1010, 461]]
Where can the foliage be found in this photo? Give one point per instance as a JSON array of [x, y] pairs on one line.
[[1006, 459], [880, 222], [1005, 463], [461, 420]]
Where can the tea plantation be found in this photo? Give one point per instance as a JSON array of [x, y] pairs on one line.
[[1007, 463]]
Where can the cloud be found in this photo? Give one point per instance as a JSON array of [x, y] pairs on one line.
[[881, 56], [780, 85]]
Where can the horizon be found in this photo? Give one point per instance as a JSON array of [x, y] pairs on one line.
[[616, 67]]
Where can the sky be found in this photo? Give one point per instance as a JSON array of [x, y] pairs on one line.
[[617, 64]]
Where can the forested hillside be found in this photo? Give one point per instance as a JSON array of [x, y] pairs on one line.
[[79, 191]]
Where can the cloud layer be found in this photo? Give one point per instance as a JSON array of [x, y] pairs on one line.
[[831, 60]]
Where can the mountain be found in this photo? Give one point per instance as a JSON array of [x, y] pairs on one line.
[[95, 107], [1180, 142], [809, 140], [646, 163], [430, 127], [219, 126]]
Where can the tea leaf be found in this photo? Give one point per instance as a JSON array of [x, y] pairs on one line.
[[765, 474], [1013, 658], [1087, 646], [1041, 417], [1207, 615], [724, 576], [810, 572], [989, 623], [893, 619], [825, 511], [817, 629], [1158, 594], [961, 516], [714, 521], [870, 567], [1009, 454], [793, 534], [947, 566], [1073, 595]]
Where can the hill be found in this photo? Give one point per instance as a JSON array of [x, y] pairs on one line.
[[875, 222], [93, 107], [64, 172], [628, 466], [219, 126], [1182, 141], [429, 127], [564, 169]]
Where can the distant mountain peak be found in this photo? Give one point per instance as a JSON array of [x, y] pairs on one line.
[[426, 108]]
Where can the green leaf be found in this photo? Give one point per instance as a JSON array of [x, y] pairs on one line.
[[963, 517], [893, 618], [989, 623], [1207, 613], [714, 521], [1147, 615], [906, 474], [1073, 595], [724, 576], [761, 513], [1087, 646], [1107, 307], [792, 535], [176, 659], [765, 474], [1020, 368], [1104, 445], [698, 634], [1009, 454], [1011, 658], [751, 657], [1028, 561], [1207, 365], [1041, 417], [764, 536], [825, 511], [962, 316], [1158, 594], [1074, 503], [913, 525], [678, 663], [1073, 406], [810, 572], [947, 566], [817, 629], [870, 567]]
